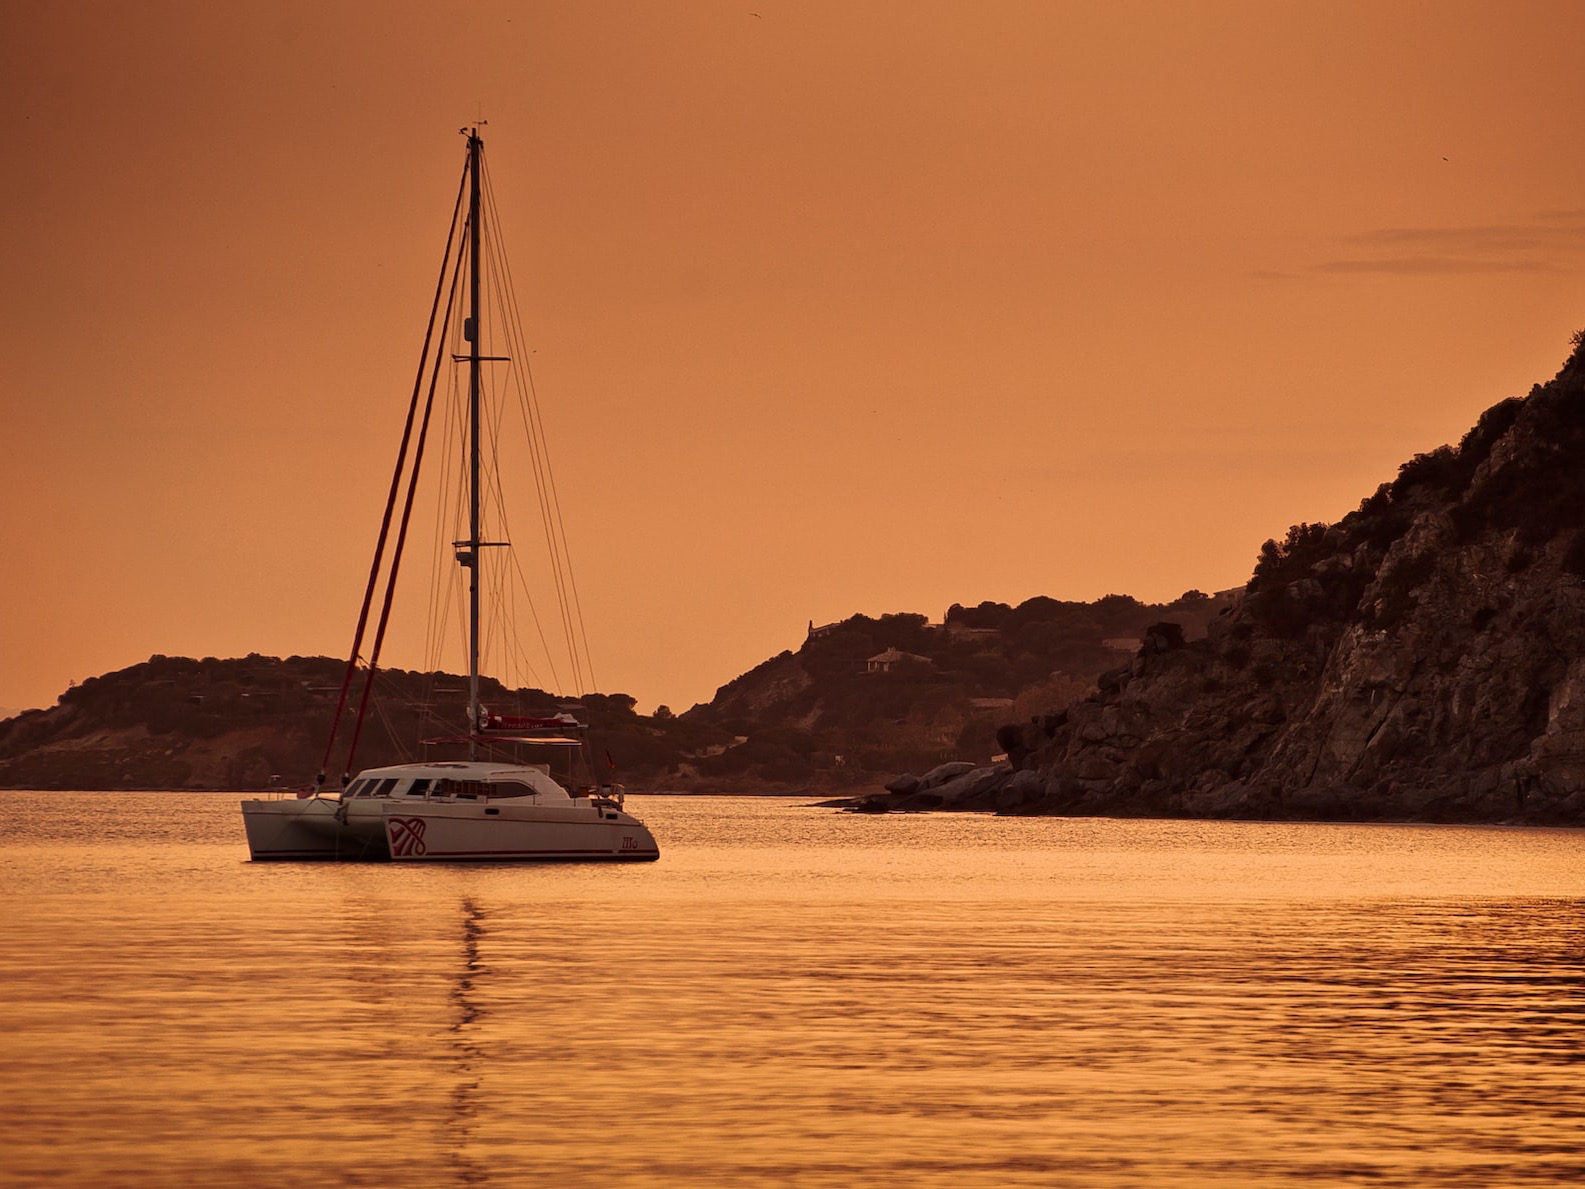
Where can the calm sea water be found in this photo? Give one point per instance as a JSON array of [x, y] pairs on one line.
[[793, 996]]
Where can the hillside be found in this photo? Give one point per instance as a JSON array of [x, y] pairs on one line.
[[261, 722], [836, 714], [865, 697], [1423, 658]]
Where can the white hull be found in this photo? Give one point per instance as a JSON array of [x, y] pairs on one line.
[[414, 828]]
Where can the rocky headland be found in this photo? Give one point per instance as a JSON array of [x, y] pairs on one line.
[[1422, 659]]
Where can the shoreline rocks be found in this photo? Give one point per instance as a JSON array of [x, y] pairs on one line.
[[1421, 660]]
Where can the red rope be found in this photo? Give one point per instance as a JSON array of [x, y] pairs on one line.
[[390, 501], [401, 533]]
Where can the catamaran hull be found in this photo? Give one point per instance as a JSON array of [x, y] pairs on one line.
[[409, 832], [306, 829]]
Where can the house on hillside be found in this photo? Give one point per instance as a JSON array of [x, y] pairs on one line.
[[882, 662]]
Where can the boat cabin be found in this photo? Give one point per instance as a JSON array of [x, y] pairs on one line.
[[457, 782]]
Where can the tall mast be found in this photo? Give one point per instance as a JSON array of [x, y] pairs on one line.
[[475, 151]]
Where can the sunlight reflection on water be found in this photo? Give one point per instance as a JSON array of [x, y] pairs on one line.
[[794, 996]]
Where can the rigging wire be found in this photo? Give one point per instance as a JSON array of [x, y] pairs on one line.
[[446, 579], [528, 405], [396, 476], [512, 639], [501, 590], [523, 585], [401, 536], [447, 596]]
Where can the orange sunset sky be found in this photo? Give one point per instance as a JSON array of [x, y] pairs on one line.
[[837, 306]]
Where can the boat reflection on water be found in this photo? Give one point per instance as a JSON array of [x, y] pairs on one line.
[[467, 1055]]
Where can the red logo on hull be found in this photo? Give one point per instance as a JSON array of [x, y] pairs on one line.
[[406, 835]]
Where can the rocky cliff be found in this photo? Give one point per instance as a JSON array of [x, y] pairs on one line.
[[1421, 659]]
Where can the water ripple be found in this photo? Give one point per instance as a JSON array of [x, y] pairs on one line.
[[794, 997]]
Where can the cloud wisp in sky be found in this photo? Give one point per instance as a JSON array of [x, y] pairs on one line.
[[1547, 242]]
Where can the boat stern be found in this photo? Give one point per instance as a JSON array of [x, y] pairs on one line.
[[309, 828]]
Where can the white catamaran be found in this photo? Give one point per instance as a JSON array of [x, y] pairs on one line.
[[477, 808]]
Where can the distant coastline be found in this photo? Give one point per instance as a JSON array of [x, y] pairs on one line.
[[1422, 660]]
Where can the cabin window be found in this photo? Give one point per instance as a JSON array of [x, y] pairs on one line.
[[418, 788], [356, 788], [467, 790], [384, 788], [511, 788]]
